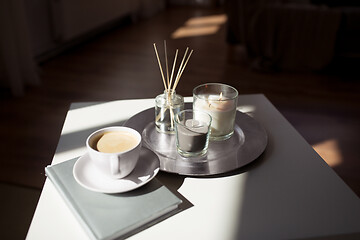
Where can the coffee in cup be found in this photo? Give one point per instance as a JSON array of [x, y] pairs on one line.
[[114, 150], [116, 141]]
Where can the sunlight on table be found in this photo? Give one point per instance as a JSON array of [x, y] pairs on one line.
[[329, 151]]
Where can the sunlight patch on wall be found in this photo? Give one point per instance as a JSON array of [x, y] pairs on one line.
[[207, 20], [329, 150], [200, 26], [194, 32]]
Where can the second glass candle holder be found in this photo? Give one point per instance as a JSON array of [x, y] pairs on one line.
[[192, 133], [167, 105]]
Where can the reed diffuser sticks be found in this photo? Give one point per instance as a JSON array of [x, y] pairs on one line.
[[168, 82], [169, 103]]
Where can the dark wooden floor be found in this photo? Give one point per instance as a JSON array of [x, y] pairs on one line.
[[121, 64]]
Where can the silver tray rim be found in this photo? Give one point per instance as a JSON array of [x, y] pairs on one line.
[[248, 149]]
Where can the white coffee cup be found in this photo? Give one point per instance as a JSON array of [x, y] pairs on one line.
[[117, 164]]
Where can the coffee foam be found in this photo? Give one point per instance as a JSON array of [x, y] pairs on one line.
[[116, 141]]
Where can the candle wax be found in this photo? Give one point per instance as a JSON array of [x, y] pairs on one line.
[[192, 136], [222, 111]]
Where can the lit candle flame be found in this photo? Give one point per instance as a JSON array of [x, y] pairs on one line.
[[219, 99]]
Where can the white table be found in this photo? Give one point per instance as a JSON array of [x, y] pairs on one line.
[[288, 193]]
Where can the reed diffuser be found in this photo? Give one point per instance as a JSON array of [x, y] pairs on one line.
[[168, 104]]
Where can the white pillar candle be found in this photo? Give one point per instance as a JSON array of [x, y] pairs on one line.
[[221, 109]]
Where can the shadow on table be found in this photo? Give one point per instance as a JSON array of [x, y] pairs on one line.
[[289, 193], [353, 236], [254, 164]]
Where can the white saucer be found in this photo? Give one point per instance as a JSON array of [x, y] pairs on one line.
[[88, 176]]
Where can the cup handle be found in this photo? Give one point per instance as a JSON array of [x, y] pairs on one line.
[[115, 165]]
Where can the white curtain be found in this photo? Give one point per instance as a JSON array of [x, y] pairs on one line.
[[16, 58]]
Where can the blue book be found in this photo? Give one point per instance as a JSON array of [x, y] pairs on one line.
[[109, 216]]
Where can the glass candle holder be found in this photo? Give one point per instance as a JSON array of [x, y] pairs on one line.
[[167, 105], [219, 101], [192, 132]]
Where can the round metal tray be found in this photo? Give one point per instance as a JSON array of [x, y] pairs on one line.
[[247, 143]]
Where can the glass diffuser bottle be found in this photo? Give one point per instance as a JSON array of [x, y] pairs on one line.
[[167, 105]]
